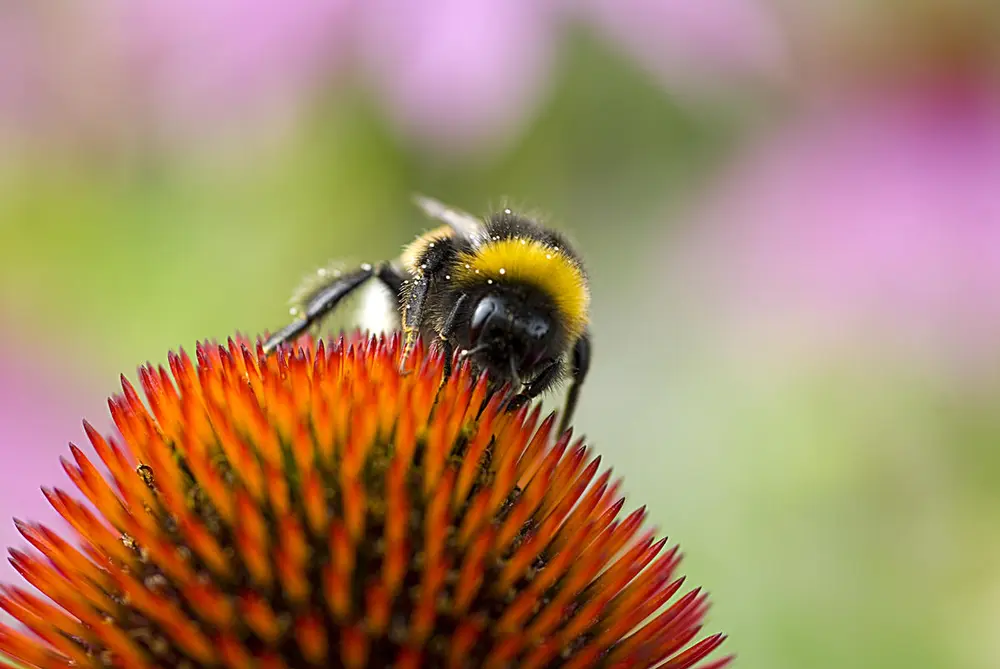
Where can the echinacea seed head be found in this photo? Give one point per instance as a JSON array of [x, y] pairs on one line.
[[319, 508]]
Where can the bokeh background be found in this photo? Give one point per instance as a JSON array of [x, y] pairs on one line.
[[791, 214]]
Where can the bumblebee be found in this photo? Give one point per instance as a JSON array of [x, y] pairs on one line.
[[508, 293]]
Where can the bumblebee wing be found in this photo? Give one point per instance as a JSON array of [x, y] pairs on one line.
[[465, 225]]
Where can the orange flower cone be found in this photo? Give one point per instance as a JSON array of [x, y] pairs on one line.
[[317, 508]]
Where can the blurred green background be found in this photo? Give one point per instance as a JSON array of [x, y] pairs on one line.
[[789, 218]]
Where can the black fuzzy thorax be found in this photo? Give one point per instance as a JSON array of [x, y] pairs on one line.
[[438, 262]]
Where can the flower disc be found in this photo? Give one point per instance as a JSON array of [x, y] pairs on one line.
[[319, 508]]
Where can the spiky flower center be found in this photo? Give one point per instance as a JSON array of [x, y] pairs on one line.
[[318, 508]]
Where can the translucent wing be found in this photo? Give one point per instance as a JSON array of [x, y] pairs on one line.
[[463, 223]]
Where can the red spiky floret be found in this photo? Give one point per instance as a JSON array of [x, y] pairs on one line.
[[318, 508]]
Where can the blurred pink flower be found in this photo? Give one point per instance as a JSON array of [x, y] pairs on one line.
[[692, 47], [872, 220], [463, 74], [40, 412], [208, 63], [37, 43], [16, 54], [457, 75]]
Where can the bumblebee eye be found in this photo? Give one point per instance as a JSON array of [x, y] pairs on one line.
[[486, 310]]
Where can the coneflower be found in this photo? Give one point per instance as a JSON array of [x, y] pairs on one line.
[[317, 508]]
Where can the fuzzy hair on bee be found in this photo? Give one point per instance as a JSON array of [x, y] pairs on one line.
[[508, 293]]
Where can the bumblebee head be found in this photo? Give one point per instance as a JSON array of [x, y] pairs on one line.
[[512, 334]]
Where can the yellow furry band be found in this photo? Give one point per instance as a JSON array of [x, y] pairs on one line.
[[534, 263], [411, 254]]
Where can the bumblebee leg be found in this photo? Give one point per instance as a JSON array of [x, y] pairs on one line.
[[578, 371], [321, 304], [433, 264], [536, 386], [447, 330], [412, 313], [392, 278]]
